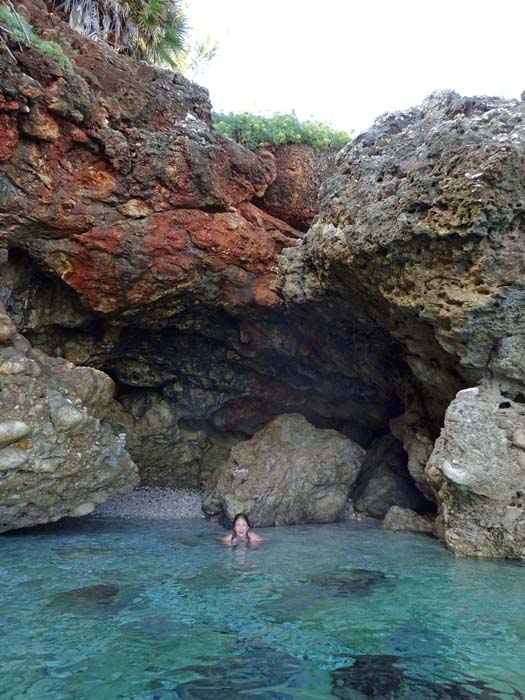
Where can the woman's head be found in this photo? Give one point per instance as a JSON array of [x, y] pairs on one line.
[[241, 525]]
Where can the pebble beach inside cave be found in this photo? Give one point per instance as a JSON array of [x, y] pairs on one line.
[[101, 608]]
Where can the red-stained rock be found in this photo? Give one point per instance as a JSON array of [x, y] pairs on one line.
[[8, 136], [134, 247], [113, 180], [40, 125], [294, 196], [168, 256]]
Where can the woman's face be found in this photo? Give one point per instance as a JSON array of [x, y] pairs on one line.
[[241, 528]]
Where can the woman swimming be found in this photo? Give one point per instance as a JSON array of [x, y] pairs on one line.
[[241, 533]]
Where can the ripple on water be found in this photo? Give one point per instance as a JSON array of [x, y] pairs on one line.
[[156, 610]]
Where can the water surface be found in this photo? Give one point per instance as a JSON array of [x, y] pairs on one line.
[[106, 609]]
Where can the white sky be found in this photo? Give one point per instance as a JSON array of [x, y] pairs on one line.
[[345, 62]]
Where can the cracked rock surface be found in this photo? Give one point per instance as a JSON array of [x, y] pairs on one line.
[[57, 455]]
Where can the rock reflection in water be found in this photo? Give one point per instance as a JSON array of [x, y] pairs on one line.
[[381, 677]]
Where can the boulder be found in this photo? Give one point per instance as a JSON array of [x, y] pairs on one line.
[[384, 481], [477, 468], [289, 472], [56, 457], [398, 518]]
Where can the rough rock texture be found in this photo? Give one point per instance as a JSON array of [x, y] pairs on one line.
[[170, 453], [384, 481], [133, 245], [120, 188], [294, 195], [478, 470], [57, 457], [134, 248], [398, 518], [424, 220], [288, 473]]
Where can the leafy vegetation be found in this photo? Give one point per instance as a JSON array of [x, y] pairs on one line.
[[254, 131], [18, 29], [155, 31], [191, 61]]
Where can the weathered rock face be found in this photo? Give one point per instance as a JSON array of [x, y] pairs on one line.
[[384, 481], [124, 192], [135, 246], [288, 473], [478, 470], [57, 457], [424, 221], [169, 452], [300, 171]]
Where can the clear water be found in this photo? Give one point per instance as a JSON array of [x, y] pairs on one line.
[[100, 609]]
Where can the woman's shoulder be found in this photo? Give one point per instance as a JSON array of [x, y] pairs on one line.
[[227, 539], [254, 537]]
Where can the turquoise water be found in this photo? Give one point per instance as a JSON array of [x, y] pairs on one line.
[[100, 609]]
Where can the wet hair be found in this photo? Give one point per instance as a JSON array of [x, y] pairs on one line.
[[238, 517]]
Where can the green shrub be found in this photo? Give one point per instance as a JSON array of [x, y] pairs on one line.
[[19, 30], [253, 131]]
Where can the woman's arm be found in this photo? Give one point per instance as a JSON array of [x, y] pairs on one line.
[[254, 537], [227, 539]]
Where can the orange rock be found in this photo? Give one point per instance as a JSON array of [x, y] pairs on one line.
[[8, 136], [40, 125]]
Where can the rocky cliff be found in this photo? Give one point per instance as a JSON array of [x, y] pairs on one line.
[[57, 454], [134, 247], [136, 242], [424, 223]]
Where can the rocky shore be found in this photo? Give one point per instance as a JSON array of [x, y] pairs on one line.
[[154, 503]]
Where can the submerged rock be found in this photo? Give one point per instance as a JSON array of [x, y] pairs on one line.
[[383, 677], [100, 598], [350, 582], [256, 673], [288, 473]]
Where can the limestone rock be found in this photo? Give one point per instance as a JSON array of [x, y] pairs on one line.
[[384, 481], [168, 455], [423, 220], [56, 458], [478, 471], [12, 431], [398, 518], [135, 247], [288, 473], [7, 329], [410, 429]]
